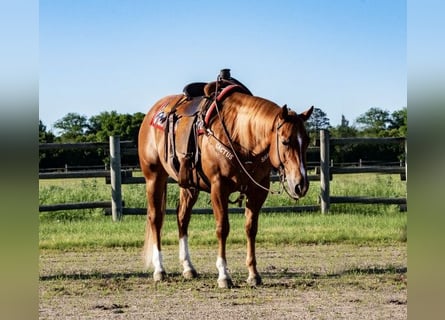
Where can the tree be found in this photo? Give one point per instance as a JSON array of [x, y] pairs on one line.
[[374, 122], [399, 123], [316, 122], [344, 130], [44, 135], [73, 127], [112, 123]]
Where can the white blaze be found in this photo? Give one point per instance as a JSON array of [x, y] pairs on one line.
[[302, 169]]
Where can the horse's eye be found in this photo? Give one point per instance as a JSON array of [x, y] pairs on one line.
[[286, 142]]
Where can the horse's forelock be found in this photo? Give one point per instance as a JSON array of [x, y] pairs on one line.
[[292, 116]]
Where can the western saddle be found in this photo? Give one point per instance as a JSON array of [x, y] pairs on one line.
[[191, 119]]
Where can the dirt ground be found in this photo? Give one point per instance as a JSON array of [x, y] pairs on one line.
[[299, 282]]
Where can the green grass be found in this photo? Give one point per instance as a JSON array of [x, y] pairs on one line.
[[275, 230], [346, 223]]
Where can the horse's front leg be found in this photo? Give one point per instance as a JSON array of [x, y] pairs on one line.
[[187, 199], [254, 203], [219, 196]]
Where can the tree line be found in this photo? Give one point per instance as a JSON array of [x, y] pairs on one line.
[[74, 128]]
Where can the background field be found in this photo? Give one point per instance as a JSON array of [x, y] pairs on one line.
[[349, 264]]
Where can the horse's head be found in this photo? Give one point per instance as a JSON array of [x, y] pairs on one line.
[[288, 149]]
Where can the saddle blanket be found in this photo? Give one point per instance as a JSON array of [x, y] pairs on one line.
[[159, 120]]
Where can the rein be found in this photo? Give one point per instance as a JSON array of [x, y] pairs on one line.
[[281, 172]]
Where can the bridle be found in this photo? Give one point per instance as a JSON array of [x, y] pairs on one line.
[[281, 169]]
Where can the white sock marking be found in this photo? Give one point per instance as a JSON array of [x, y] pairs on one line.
[[184, 256], [221, 265], [157, 260]]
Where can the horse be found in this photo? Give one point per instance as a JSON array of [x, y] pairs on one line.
[[237, 148]]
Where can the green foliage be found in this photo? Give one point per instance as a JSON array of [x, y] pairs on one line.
[[374, 123], [73, 127], [380, 123], [45, 136], [111, 123], [77, 128], [344, 130], [399, 123], [317, 121]]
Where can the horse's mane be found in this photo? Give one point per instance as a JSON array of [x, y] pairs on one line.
[[249, 119]]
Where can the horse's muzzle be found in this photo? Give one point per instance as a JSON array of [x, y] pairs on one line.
[[301, 189], [298, 189]]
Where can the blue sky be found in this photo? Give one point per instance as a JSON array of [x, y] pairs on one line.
[[342, 56]]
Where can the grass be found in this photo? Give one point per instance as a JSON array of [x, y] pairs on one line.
[[275, 230], [347, 223]]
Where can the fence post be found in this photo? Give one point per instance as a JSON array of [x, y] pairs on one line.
[[324, 171], [406, 159], [115, 175]]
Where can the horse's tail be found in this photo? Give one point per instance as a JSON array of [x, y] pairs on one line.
[[147, 252]]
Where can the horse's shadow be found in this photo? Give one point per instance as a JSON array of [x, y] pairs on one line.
[[93, 275], [278, 278]]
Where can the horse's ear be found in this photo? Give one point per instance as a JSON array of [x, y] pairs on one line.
[[305, 115], [284, 112]]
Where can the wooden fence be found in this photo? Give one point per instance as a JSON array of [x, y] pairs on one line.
[[327, 170], [116, 177]]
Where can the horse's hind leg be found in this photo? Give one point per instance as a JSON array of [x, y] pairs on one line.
[[187, 199], [220, 195], [156, 184]]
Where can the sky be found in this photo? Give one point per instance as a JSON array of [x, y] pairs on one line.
[[342, 56]]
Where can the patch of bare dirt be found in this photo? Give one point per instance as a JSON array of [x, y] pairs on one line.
[[300, 282]]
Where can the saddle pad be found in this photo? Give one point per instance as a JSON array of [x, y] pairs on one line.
[[159, 119]]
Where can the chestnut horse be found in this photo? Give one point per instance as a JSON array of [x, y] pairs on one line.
[[241, 144]]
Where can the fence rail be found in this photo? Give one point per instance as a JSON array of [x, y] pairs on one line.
[[75, 206], [325, 170]]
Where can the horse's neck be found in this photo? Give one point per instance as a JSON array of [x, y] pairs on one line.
[[252, 124]]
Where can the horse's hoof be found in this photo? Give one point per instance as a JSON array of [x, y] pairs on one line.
[[159, 276], [225, 283], [190, 274], [254, 281]]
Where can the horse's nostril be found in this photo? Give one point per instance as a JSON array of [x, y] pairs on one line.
[[298, 189]]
